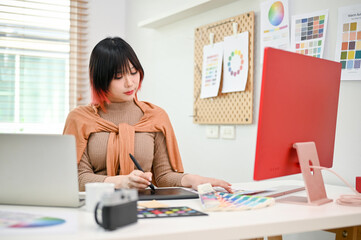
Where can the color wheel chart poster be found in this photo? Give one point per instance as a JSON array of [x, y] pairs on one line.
[[348, 46], [308, 33], [275, 25], [28, 222], [212, 69], [235, 66]]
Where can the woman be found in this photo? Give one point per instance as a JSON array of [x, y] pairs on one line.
[[116, 124]]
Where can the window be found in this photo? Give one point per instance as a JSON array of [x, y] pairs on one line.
[[42, 63]]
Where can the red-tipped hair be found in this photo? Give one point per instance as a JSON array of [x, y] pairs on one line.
[[111, 56], [99, 98]]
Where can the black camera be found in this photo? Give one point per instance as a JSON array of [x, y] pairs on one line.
[[117, 209]]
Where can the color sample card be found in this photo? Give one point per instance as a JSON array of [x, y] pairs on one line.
[[308, 33], [147, 213], [348, 46], [26, 220], [274, 25], [224, 201], [212, 69], [235, 62]]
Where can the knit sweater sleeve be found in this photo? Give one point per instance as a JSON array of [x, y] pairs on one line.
[[86, 173], [163, 172]]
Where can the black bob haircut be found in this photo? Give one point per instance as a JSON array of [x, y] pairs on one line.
[[111, 56]]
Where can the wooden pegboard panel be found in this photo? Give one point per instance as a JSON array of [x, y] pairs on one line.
[[226, 108]]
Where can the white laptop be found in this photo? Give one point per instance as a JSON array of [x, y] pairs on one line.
[[38, 169]]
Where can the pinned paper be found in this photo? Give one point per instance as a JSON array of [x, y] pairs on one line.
[[212, 69], [309, 32], [235, 62], [275, 25], [348, 46]]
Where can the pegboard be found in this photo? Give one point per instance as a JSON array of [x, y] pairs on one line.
[[226, 108]]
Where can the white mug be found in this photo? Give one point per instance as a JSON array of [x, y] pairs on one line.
[[94, 192]]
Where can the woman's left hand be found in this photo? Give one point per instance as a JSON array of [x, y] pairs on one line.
[[192, 181]]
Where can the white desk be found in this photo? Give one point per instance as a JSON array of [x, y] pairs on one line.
[[276, 220]]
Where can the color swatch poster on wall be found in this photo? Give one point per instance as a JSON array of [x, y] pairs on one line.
[[348, 46], [212, 69], [275, 25], [235, 62], [308, 32]]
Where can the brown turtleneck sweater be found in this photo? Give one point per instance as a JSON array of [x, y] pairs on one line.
[[149, 149]]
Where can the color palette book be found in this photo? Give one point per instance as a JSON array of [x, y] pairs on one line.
[[26, 220], [147, 213], [308, 33], [222, 201]]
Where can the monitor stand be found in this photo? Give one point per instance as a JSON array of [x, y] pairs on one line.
[[315, 187]]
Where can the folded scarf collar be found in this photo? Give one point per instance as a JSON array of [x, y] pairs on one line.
[[84, 120]]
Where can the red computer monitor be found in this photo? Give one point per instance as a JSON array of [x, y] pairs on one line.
[[299, 99]]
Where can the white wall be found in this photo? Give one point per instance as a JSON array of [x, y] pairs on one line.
[[106, 18], [167, 54], [167, 57]]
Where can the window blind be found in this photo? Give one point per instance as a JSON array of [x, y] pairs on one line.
[[43, 68]]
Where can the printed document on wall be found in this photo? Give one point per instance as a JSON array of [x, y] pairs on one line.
[[212, 69], [235, 62], [275, 25], [348, 45], [308, 33]]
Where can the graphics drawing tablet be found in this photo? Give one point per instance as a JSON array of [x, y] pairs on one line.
[[166, 194]]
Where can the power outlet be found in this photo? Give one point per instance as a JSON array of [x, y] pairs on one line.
[[212, 131], [228, 132]]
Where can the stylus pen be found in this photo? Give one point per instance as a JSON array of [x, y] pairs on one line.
[[140, 168]]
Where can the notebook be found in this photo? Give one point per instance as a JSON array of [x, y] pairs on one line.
[[38, 169]]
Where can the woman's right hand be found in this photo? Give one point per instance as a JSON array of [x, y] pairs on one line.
[[136, 179]]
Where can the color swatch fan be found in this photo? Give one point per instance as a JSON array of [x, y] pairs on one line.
[[222, 201]]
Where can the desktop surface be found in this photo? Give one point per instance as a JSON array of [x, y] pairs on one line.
[[270, 221]]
